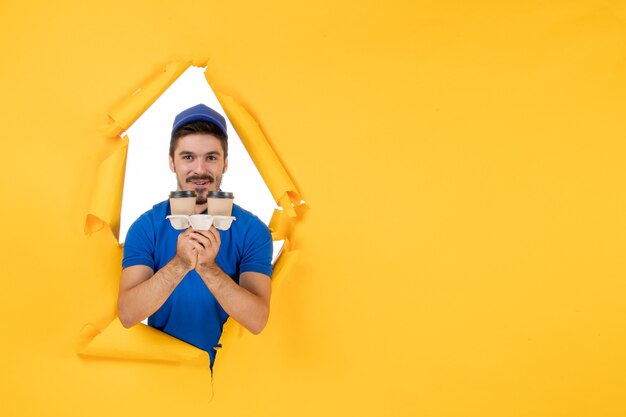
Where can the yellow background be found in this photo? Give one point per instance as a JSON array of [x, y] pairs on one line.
[[462, 247]]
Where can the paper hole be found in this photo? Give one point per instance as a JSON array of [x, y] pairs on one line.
[[148, 179]]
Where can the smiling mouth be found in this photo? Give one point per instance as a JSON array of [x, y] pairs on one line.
[[200, 182]]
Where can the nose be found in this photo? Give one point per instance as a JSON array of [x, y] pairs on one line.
[[200, 166]]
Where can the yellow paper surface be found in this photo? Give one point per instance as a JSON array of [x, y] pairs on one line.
[[106, 198], [284, 264], [463, 254], [271, 169], [279, 224], [125, 113], [142, 342]]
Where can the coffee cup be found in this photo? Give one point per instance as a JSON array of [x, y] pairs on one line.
[[219, 203], [183, 202]]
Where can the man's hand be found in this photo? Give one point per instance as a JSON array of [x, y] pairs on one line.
[[186, 252], [247, 302], [207, 244]]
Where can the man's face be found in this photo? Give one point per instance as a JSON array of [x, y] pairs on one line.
[[199, 164]]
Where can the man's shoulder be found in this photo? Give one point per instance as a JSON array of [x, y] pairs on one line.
[[140, 245], [246, 217], [159, 209], [248, 227], [254, 241]]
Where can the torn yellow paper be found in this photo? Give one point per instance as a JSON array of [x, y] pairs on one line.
[[142, 342], [106, 198], [128, 111], [267, 162], [278, 225], [284, 264], [231, 332], [498, 286]]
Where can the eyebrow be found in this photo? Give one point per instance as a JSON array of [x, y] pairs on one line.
[[183, 153]]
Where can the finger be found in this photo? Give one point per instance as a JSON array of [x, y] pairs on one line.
[[203, 241], [193, 256], [202, 237], [187, 248], [197, 247], [186, 232], [216, 234], [211, 239], [204, 233]]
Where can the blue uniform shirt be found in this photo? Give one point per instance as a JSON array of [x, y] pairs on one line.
[[191, 313]]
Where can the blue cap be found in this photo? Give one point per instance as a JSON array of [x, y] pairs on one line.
[[199, 112]]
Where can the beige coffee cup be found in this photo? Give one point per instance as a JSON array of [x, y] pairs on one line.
[[183, 202], [219, 203]]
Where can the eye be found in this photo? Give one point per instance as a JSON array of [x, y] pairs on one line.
[[187, 157], [212, 158]]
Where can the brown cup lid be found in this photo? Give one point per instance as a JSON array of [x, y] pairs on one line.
[[220, 194], [182, 194]]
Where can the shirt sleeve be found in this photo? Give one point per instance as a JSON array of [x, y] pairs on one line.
[[139, 244], [257, 254]]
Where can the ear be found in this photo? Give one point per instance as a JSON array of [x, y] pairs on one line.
[[172, 164], [225, 165]]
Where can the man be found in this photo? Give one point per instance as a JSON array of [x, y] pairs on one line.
[[189, 282]]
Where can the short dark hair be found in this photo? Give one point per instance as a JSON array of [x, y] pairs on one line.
[[201, 127]]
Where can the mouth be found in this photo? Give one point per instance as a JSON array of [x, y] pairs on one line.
[[200, 182]]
